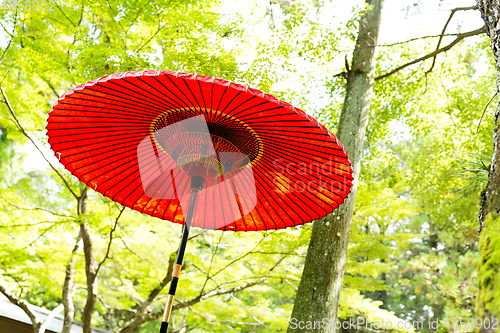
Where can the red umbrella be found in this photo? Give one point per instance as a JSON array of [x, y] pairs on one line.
[[199, 151]]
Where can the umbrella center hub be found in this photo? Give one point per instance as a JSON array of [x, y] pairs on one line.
[[206, 143]]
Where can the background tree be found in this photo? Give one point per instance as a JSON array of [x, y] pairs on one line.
[[488, 302]]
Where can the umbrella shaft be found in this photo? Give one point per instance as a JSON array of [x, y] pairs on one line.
[[197, 184]]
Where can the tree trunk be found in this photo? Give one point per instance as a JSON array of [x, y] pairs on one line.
[[90, 264], [488, 300], [317, 298], [69, 288]]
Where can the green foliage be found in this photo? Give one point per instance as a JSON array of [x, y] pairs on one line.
[[413, 250]]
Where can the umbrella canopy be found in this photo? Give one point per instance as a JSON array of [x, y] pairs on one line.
[[199, 151], [139, 137]]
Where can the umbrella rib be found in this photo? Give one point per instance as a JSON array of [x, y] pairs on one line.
[[298, 179], [201, 93], [220, 202], [220, 101], [100, 153], [238, 106], [233, 186], [141, 183], [100, 167], [176, 210], [107, 97], [84, 127], [130, 182], [138, 131], [121, 110], [266, 167], [276, 203], [169, 100], [180, 91], [172, 177], [130, 96], [101, 149], [287, 157], [299, 132], [150, 198], [268, 115], [272, 207], [310, 217], [164, 192], [233, 219], [288, 144], [189, 88], [141, 109], [255, 110], [135, 137], [132, 120], [255, 187], [179, 105], [224, 109], [183, 191], [154, 96], [310, 198], [212, 99]]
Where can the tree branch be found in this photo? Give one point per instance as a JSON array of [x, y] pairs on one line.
[[23, 131], [51, 316], [453, 11], [38, 208], [144, 307], [68, 287], [435, 53], [22, 304], [110, 241], [197, 299]]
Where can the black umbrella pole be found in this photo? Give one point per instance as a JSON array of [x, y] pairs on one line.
[[197, 184]]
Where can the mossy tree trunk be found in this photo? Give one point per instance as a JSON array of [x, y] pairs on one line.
[[488, 300], [317, 298]]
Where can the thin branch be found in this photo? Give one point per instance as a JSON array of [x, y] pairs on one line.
[[216, 292], [207, 295], [430, 55], [11, 35], [151, 38], [144, 307], [74, 25], [484, 111], [277, 263], [38, 208], [415, 39], [42, 234], [69, 287], [51, 87], [29, 224], [131, 251], [208, 277], [23, 131], [225, 321], [110, 241], [241, 257], [453, 11]]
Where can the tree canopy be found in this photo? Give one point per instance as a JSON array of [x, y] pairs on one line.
[[414, 249]]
